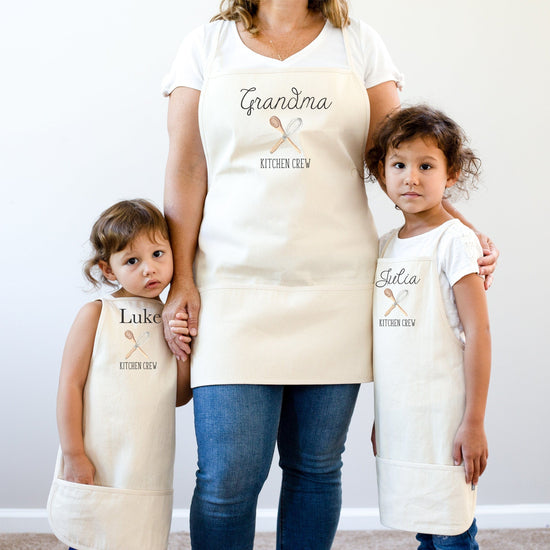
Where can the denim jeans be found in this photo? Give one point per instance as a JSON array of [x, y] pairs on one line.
[[465, 541], [237, 427]]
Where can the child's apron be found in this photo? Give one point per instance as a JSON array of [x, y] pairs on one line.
[[419, 401], [128, 427], [287, 245]]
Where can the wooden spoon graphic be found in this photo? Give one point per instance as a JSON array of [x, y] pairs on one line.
[[276, 123], [130, 335], [390, 295]]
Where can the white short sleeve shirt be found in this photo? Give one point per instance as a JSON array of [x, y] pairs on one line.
[[457, 254], [369, 54]]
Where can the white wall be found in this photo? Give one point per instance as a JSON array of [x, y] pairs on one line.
[[83, 125]]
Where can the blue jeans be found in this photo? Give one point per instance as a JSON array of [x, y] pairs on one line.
[[237, 427], [465, 541]]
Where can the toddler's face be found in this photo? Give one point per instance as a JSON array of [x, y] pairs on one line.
[[416, 175], [144, 268]]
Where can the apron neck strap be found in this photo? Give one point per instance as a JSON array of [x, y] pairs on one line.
[[349, 56]]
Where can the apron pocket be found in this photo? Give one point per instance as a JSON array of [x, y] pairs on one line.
[[424, 498], [93, 517], [325, 333]]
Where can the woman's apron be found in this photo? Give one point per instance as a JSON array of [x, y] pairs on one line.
[[128, 427], [287, 245], [420, 397]]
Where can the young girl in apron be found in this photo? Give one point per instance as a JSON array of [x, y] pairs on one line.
[[119, 384], [431, 335]]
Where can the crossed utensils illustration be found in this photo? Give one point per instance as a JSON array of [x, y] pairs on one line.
[[137, 343], [395, 300], [293, 126]]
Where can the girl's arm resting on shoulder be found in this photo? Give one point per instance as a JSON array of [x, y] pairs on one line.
[[488, 262], [184, 195], [470, 445], [72, 379]]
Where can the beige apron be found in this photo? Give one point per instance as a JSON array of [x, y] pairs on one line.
[[287, 246], [419, 393], [128, 426]]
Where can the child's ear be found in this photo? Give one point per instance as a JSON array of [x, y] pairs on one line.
[[452, 178], [106, 270]]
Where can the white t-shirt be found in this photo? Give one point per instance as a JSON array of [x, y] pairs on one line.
[[457, 254], [369, 55]]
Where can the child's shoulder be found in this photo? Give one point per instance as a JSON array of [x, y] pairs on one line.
[[87, 320], [455, 235], [90, 312], [385, 238], [91, 309], [458, 251]]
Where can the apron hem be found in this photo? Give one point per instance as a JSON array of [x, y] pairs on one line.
[[263, 382]]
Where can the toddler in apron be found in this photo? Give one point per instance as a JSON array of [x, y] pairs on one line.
[[118, 388], [430, 335]]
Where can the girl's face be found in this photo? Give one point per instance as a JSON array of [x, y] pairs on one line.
[[416, 176], [144, 268]]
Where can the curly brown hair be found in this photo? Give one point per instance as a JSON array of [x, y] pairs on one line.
[[116, 227], [405, 124], [336, 11]]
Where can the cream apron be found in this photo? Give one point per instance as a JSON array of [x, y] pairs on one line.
[[419, 393], [128, 426], [287, 245]]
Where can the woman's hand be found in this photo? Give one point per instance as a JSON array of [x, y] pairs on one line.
[[183, 303], [488, 263], [78, 469]]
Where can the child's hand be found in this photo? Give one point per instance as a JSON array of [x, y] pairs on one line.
[[180, 326], [373, 439], [470, 447], [78, 469], [184, 299]]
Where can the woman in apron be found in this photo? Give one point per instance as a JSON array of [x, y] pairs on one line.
[[270, 109]]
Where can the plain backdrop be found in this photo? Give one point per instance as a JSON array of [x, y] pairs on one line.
[[82, 125]]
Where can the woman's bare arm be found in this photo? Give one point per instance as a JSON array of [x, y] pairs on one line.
[[383, 99], [184, 195]]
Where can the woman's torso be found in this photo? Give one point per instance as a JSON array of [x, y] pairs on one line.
[[287, 245]]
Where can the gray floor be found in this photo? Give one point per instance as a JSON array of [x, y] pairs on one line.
[[495, 539]]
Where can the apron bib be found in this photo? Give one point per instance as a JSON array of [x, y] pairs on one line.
[[287, 245], [420, 399], [129, 432]]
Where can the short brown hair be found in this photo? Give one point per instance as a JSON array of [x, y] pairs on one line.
[[336, 11], [117, 226], [423, 121]]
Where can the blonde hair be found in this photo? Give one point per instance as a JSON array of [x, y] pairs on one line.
[[336, 11], [118, 226]]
